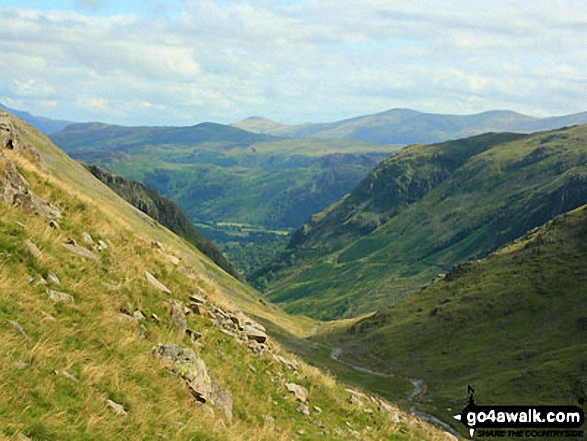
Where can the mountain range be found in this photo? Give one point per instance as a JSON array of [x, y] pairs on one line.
[[405, 126]]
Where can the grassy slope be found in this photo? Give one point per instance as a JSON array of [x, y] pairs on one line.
[[513, 325], [111, 359], [424, 210]]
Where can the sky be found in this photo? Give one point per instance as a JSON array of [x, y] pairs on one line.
[[179, 62]]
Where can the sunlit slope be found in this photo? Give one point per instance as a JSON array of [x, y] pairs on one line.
[[423, 210], [93, 298], [514, 325]]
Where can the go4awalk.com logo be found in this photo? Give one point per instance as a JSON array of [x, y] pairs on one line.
[[522, 421]]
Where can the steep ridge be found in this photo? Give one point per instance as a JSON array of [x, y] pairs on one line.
[[422, 211], [112, 327], [405, 126], [164, 211], [512, 324]]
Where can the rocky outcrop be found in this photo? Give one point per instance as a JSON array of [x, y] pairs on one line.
[[13, 186], [187, 365]]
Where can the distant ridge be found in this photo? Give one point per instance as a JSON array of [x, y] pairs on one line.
[[406, 126], [45, 125]]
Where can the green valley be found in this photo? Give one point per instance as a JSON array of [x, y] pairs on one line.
[[423, 210], [513, 325], [221, 174]]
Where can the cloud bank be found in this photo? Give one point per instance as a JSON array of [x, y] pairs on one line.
[[185, 62]]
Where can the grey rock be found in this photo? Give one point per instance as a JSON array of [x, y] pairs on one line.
[[58, 296], [79, 250], [117, 408], [154, 282], [187, 365], [53, 279], [303, 409], [87, 239], [253, 333], [300, 392]]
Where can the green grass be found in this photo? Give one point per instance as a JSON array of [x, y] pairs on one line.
[[512, 325], [111, 359]]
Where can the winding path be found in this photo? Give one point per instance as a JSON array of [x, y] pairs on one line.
[[419, 389]]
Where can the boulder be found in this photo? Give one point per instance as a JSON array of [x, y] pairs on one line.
[[154, 282], [253, 333], [174, 260], [303, 409], [187, 365], [57, 296], [87, 239], [300, 392], [79, 250]]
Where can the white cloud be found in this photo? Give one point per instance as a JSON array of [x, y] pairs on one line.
[[319, 60]]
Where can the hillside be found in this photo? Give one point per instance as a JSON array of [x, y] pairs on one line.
[[513, 325], [404, 126], [422, 211], [98, 342], [164, 211], [238, 188]]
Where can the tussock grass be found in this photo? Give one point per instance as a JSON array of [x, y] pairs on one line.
[[56, 378]]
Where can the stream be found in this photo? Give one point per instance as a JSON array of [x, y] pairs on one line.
[[419, 389]]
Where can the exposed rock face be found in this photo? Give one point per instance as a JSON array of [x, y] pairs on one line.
[[187, 365], [13, 186]]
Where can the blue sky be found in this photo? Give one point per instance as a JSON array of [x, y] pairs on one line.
[[179, 62]]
